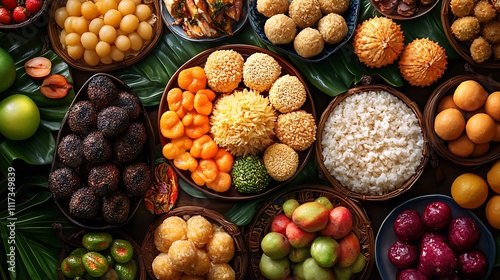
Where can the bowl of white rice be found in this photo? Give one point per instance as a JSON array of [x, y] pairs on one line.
[[371, 143]]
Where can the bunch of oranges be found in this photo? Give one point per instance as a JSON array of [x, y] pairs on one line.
[[470, 191], [469, 119]]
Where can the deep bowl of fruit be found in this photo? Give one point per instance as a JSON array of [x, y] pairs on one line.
[[431, 236], [17, 14], [313, 230]]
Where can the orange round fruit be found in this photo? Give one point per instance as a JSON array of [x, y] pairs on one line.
[[449, 124], [497, 132], [445, 103], [492, 105], [461, 146], [469, 190], [480, 149], [493, 177], [480, 128], [492, 209], [470, 95]]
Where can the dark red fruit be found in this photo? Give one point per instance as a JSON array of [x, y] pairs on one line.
[[472, 264], [408, 225], [33, 6], [463, 234], [454, 276], [431, 237], [5, 17], [410, 274], [438, 258], [436, 216], [9, 4], [403, 254], [55, 86], [20, 14]]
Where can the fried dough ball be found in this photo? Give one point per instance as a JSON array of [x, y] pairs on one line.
[[465, 28], [96, 148], [297, 129], [484, 11], [201, 265], [162, 268], [112, 121], [199, 230], [170, 230], [130, 103], [260, 70], [280, 29], [220, 247], [115, 208], [63, 182], [136, 178], [462, 8], [480, 50], [270, 8], [491, 32], [287, 94], [221, 271], [334, 6], [224, 70], [333, 28], [70, 150], [84, 204], [308, 42], [103, 179], [183, 255], [305, 13], [281, 161], [82, 117]]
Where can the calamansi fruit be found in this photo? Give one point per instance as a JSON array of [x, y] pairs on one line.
[[469, 190], [20, 117], [492, 209], [493, 177], [7, 70]]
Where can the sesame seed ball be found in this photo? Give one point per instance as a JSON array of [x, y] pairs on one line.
[[287, 94], [308, 42], [333, 28], [270, 8], [281, 161], [260, 70], [297, 129], [224, 70], [280, 29], [305, 13]]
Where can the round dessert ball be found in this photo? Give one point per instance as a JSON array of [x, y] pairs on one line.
[[224, 70], [260, 70], [334, 6], [281, 161], [63, 182], [280, 29], [70, 150], [115, 208], [333, 28], [202, 264], [287, 94], [182, 254], [305, 13], [199, 230], [84, 204], [171, 229], [270, 8], [297, 129], [220, 247], [221, 271], [308, 42], [162, 267]]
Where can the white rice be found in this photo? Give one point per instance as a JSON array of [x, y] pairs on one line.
[[372, 143]]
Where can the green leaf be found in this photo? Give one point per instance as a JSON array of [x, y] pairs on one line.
[[241, 214], [191, 190]]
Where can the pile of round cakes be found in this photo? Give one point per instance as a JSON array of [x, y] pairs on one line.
[[100, 161]]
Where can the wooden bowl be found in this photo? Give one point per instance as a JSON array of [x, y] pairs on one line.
[[75, 241], [147, 156], [421, 10], [239, 262], [131, 57], [462, 48], [261, 224], [38, 20], [245, 51], [438, 144], [334, 181]]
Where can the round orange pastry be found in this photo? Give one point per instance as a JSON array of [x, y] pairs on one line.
[[422, 62], [378, 41]]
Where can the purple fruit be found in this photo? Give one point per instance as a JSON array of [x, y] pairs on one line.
[[403, 254], [438, 258], [424, 270], [431, 237], [463, 234], [472, 264], [454, 276], [409, 274], [408, 225], [436, 216]]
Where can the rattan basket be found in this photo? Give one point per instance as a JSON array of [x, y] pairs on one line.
[[130, 57], [261, 224], [337, 184], [438, 144], [38, 20], [239, 263], [462, 48]]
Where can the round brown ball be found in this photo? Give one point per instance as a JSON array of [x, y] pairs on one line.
[[280, 29], [305, 13], [484, 11], [221, 271], [308, 42], [270, 8], [170, 230], [163, 269], [333, 28], [491, 32], [260, 71], [224, 70], [480, 50], [220, 247], [70, 150], [281, 161], [63, 182], [334, 6], [297, 129], [462, 8], [199, 230], [287, 94], [182, 254], [465, 28]]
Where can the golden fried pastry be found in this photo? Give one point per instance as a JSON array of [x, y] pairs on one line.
[[480, 50], [162, 268], [171, 229], [182, 255], [199, 230], [333, 28], [260, 71], [220, 247], [308, 42], [305, 13], [221, 271], [280, 29]]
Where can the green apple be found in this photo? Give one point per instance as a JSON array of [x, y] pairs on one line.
[[7, 70], [289, 206], [20, 117], [274, 269]]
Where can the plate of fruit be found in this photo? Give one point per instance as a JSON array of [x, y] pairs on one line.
[[311, 230], [431, 236]]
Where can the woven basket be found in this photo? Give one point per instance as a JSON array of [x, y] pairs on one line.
[[438, 144], [462, 48], [75, 241], [336, 184], [130, 58], [240, 260], [421, 10], [39, 20], [261, 224]]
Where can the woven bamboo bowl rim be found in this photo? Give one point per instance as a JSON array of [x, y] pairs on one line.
[[261, 224], [438, 144], [462, 48], [54, 31], [39, 18], [337, 184], [239, 263]]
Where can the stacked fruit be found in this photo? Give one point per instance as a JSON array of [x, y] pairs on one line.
[[17, 11], [316, 238], [434, 244]]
